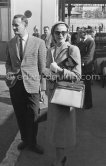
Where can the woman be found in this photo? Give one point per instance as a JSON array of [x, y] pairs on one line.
[[61, 121]]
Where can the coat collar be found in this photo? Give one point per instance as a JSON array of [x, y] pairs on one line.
[[62, 48], [28, 45], [15, 44], [62, 55]]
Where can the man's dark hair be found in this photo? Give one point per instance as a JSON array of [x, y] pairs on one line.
[[89, 31], [23, 18], [74, 37]]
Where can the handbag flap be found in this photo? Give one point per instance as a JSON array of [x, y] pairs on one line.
[[78, 86]]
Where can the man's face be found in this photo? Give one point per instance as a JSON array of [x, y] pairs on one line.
[[18, 26], [82, 35], [46, 31], [93, 34]]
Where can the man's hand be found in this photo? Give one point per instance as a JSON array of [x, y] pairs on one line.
[[10, 76], [42, 96]]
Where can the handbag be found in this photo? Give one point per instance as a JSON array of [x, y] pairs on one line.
[[69, 94]]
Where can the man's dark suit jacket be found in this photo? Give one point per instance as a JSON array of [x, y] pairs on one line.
[[87, 49]]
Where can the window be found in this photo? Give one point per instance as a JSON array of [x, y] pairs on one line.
[[4, 3], [4, 20]]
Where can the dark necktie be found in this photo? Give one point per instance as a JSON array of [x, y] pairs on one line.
[[20, 49]]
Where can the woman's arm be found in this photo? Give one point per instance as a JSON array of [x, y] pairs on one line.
[[75, 73]]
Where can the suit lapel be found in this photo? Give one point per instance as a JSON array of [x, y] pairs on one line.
[[14, 46], [28, 45]]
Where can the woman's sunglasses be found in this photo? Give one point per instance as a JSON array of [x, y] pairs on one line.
[[60, 32]]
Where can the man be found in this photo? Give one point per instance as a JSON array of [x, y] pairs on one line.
[[47, 37], [36, 31], [87, 48], [25, 63]]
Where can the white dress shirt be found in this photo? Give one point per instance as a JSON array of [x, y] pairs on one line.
[[24, 41]]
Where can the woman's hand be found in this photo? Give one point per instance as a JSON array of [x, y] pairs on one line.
[[55, 68], [69, 75]]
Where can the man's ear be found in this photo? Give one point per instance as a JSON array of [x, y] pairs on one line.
[[25, 24]]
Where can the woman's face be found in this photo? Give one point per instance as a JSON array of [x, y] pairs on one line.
[[60, 33]]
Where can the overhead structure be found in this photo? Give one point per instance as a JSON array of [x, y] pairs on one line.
[[86, 1], [70, 3]]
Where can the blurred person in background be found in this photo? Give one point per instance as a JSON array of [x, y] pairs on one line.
[[74, 38], [47, 37], [36, 31], [87, 49]]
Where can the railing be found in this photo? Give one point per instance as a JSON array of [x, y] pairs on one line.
[[79, 22]]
